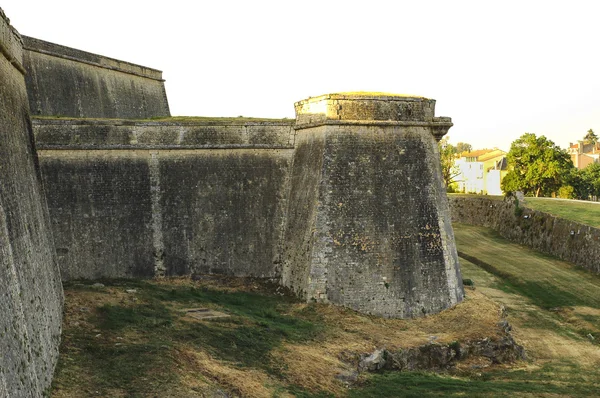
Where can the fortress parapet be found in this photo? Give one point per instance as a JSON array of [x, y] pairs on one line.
[[368, 225], [364, 108]]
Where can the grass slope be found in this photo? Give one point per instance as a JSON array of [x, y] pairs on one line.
[[553, 306], [583, 212], [137, 344]]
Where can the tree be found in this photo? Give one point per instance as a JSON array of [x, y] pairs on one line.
[[447, 157], [463, 147], [590, 137], [591, 180], [538, 166], [579, 183]]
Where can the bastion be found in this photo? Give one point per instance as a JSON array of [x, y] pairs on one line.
[[368, 225]]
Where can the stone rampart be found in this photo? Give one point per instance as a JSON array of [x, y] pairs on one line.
[[368, 224], [567, 240], [139, 199], [30, 289], [63, 81], [346, 207]]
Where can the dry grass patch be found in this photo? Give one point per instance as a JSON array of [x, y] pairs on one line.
[[271, 345], [245, 382]]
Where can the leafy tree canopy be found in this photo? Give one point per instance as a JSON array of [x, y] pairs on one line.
[[590, 137], [538, 166], [463, 147], [590, 177], [447, 157]]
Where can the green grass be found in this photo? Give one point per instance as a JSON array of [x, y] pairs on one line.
[[258, 325], [530, 273], [549, 287], [587, 213], [471, 195], [544, 294], [498, 383], [133, 345]]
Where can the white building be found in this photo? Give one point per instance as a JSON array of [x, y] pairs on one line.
[[481, 171]]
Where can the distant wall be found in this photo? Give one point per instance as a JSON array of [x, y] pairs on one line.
[[133, 199], [30, 289], [63, 81], [567, 240]]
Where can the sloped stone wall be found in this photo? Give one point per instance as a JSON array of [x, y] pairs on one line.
[[63, 81], [565, 239], [368, 223], [30, 289]]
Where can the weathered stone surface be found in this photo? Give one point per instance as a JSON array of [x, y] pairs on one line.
[[434, 356], [368, 225], [101, 212], [63, 81], [567, 240], [200, 133], [173, 209], [361, 218], [373, 362], [30, 289]]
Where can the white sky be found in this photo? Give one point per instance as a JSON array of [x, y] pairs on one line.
[[499, 69]]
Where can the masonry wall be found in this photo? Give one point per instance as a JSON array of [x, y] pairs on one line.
[[63, 81], [366, 228], [368, 223], [567, 240], [133, 199], [30, 289]]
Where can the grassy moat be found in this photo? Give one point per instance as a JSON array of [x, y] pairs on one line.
[[134, 338]]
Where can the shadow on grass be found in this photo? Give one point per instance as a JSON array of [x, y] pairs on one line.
[[496, 384], [543, 294], [257, 326]]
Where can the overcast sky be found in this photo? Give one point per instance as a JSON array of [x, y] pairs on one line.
[[499, 69]]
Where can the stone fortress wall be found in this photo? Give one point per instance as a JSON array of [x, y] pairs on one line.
[[30, 287], [343, 205], [73, 83], [565, 239], [368, 225], [139, 199]]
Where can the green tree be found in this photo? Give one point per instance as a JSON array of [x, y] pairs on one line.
[[591, 180], [590, 137], [463, 147], [447, 158], [538, 166], [579, 184]]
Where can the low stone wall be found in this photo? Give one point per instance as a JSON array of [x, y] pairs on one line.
[[142, 199], [567, 240], [30, 290], [62, 81]]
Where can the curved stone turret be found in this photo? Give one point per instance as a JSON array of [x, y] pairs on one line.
[[368, 225]]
